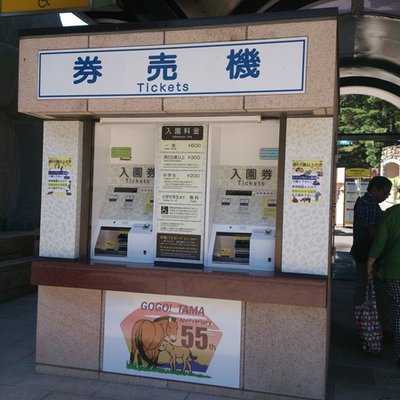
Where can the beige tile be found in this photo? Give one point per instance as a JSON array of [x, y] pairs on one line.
[[321, 66], [204, 104], [320, 82], [222, 34], [28, 76], [297, 103], [125, 39], [294, 28], [276, 103], [125, 106], [285, 350], [68, 327]]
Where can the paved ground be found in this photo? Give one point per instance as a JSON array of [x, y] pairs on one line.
[[353, 374]]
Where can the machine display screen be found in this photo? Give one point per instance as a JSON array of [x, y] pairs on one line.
[[125, 190], [232, 247], [238, 192], [112, 241]]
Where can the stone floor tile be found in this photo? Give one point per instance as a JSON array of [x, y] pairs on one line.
[[54, 383], [199, 396], [13, 354], [16, 373], [389, 379], [354, 375], [343, 391], [23, 308], [120, 391], [9, 392], [68, 396]]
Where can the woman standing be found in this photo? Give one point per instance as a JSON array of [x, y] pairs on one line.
[[386, 246]]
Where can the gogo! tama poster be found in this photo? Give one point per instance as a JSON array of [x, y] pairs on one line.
[[170, 337]]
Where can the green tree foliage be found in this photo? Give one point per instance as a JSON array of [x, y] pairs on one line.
[[352, 155], [364, 115]]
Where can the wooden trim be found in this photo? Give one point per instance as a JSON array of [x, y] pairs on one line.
[[280, 194], [86, 190], [307, 291]]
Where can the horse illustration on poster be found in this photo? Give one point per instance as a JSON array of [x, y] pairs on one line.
[[147, 337], [170, 338]]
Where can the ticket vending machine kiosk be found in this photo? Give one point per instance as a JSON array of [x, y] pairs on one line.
[[122, 217], [119, 236], [243, 190], [245, 243]]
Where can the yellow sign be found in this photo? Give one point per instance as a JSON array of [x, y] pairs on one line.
[[357, 173], [269, 208], [21, 6]]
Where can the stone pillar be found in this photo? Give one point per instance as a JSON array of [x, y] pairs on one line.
[[306, 225], [61, 208]]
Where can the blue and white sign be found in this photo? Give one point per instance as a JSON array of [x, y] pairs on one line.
[[273, 66]]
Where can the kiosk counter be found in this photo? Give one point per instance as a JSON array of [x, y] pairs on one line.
[[187, 198]]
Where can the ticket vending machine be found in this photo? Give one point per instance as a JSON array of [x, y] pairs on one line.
[[243, 165], [122, 217], [237, 208], [119, 236], [245, 243]]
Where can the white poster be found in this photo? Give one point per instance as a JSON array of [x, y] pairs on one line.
[[180, 198], [307, 177], [186, 339], [59, 176], [352, 190]]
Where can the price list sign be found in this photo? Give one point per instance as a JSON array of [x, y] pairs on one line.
[[180, 199]]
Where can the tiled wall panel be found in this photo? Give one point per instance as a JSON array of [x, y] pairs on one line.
[[305, 247], [60, 213]]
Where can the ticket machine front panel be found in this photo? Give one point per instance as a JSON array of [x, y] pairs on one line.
[[242, 224], [232, 247], [123, 187], [112, 241]]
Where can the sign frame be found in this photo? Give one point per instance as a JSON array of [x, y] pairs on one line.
[[210, 328], [253, 67]]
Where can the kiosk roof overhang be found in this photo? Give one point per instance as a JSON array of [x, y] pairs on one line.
[[368, 32], [316, 98]]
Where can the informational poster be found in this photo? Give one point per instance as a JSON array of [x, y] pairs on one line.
[[180, 201], [306, 180], [178, 338], [59, 176], [356, 183]]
